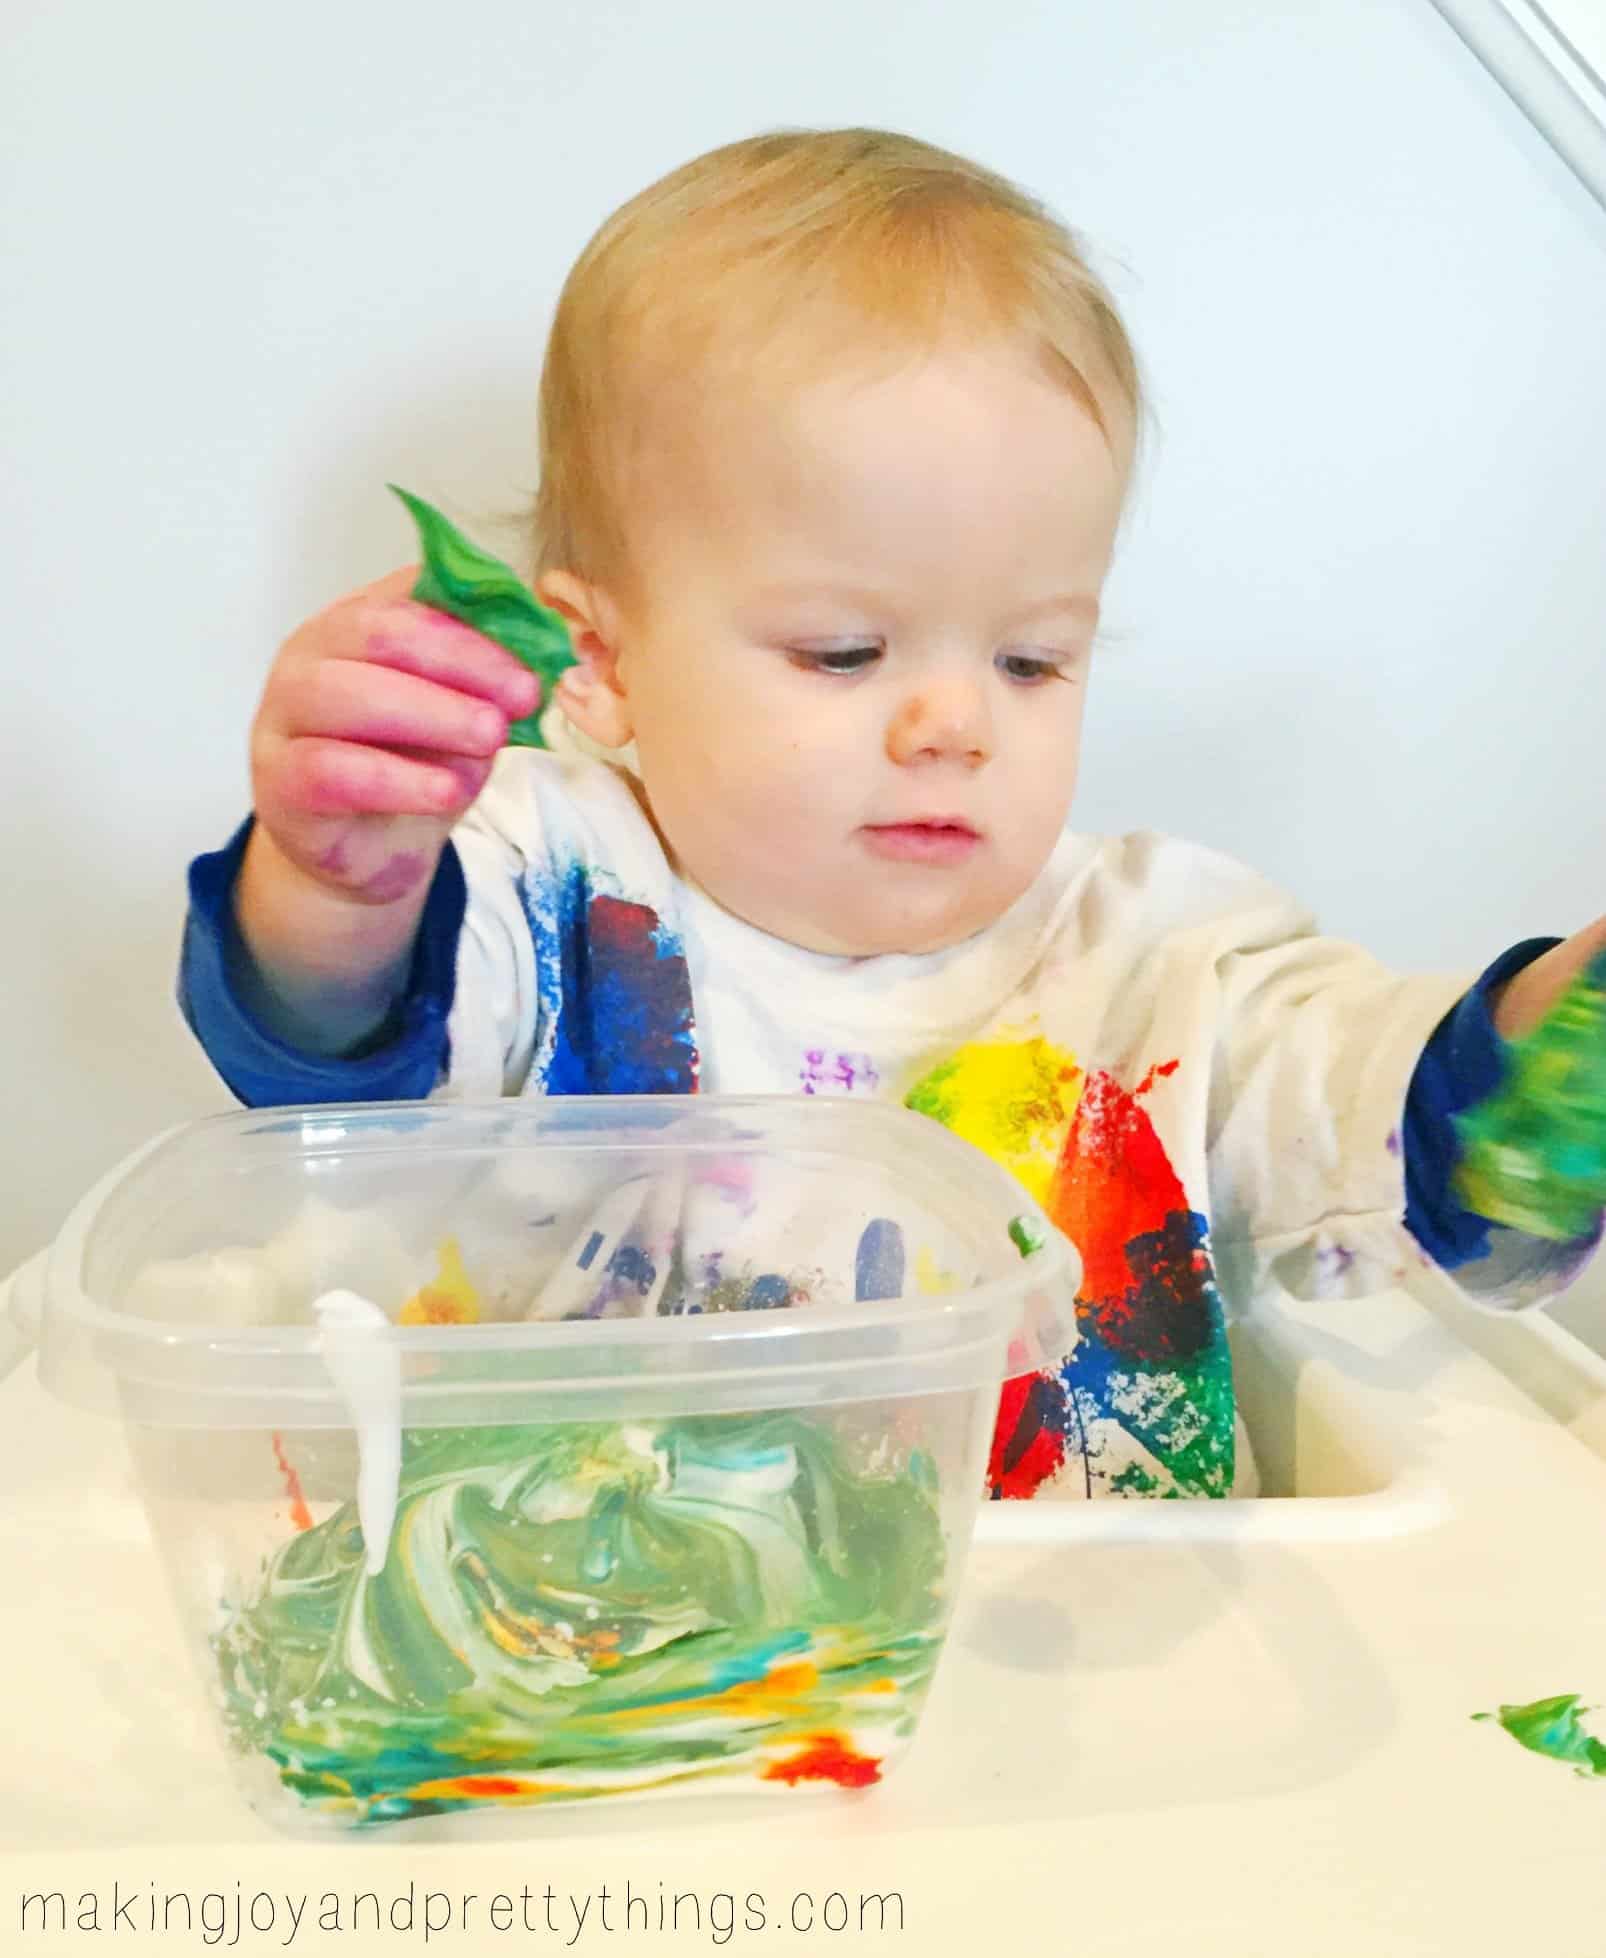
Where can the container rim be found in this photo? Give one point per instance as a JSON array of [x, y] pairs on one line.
[[66, 1301]]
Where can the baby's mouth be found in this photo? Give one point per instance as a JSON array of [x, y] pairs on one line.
[[932, 839]]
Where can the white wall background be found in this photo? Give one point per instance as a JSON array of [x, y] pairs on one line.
[[254, 261], [1582, 25]]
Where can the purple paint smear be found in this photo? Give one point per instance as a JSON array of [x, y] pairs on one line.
[[825, 1073]]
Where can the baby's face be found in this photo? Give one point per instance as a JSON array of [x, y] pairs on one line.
[[856, 677]]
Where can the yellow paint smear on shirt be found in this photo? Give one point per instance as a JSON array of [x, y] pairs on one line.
[[1012, 1099]]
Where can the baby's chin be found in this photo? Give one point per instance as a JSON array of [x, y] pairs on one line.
[[887, 935]]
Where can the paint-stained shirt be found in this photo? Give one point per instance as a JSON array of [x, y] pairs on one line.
[[1201, 1091]]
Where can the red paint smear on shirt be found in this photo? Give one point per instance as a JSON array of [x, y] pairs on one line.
[[630, 931], [1016, 1472], [300, 1515], [826, 1758], [1114, 1182], [1156, 1073], [1114, 1185], [625, 939]]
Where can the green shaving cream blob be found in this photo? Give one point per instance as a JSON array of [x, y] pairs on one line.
[[461, 579], [588, 1608], [1551, 1727], [1534, 1152], [1025, 1236]]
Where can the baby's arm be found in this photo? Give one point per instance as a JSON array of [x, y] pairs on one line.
[[1331, 1074], [377, 729]]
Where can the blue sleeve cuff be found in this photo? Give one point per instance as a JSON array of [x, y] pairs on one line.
[[261, 1070], [1463, 1062]]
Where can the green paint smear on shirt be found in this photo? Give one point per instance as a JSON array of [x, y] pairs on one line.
[[597, 1606], [1534, 1152], [1551, 1727], [461, 579]]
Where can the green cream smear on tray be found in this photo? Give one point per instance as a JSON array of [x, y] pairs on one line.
[[1553, 1728]]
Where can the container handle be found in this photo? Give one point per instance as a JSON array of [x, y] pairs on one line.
[[21, 1307]]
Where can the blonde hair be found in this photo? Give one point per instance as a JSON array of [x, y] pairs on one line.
[[791, 248]]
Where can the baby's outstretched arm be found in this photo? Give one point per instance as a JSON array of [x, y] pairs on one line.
[[377, 729]]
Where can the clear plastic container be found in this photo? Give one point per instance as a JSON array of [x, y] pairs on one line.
[[526, 1452]]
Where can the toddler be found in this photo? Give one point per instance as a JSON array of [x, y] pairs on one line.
[[836, 434]]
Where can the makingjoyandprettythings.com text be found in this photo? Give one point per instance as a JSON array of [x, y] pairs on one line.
[[554, 1919]]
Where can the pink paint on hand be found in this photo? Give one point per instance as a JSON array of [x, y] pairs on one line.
[[401, 873], [404, 872]]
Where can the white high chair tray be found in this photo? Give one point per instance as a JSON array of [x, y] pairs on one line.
[[1147, 1743]]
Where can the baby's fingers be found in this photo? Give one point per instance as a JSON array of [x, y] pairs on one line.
[[355, 700], [312, 775], [384, 624], [434, 646]]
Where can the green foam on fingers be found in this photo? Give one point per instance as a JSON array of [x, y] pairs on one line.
[[1534, 1151]]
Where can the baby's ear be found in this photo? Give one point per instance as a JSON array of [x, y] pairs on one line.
[[589, 692]]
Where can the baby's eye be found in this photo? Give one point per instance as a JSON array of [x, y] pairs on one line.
[[843, 660], [1028, 668]]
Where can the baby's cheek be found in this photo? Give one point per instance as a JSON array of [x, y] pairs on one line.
[[748, 811], [1042, 796]]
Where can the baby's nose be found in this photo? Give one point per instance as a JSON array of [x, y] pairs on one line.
[[943, 720]]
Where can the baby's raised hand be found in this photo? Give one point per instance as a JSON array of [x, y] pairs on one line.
[[1534, 1150], [376, 730]]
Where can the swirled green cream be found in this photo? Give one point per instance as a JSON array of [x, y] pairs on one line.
[[582, 1609]]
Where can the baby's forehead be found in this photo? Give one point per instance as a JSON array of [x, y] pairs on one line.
[[824, 428], [928, 480], [739, 400]]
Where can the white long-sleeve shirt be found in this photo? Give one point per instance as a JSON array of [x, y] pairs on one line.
[[1190, 1080]]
